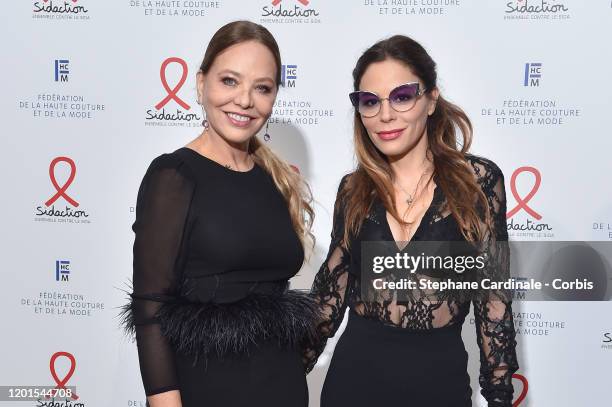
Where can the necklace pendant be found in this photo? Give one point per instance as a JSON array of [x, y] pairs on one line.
[[409, 201]]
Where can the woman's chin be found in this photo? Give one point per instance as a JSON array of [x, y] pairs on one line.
[[236, 137], [398, 147], [393, 150]]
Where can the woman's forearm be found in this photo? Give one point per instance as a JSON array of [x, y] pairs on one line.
[[170, 398]]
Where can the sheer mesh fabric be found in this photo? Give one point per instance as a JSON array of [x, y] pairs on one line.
[[337, 287], [213, 252], [162, 208]]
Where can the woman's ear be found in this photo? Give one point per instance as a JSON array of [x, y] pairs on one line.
[[200, 80], [433, 100]]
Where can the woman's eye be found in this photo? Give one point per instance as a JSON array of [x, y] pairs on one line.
[[229, 81], [370, 102], [403, 98], [264, 89]]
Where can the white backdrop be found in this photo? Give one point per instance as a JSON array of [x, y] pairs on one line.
[[81, 80]]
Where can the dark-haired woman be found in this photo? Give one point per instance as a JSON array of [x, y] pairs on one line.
[[413, 183], [220, 228]]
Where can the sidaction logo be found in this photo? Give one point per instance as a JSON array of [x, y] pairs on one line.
[[61, 391], [182, 115], [65, 7], [522, 204], [536, 10], [48, 212], [525, 6], [298, 9]]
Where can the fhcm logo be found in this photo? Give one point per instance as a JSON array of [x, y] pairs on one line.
[[288, 76], [533, 73], [61, 70], [62, 270]]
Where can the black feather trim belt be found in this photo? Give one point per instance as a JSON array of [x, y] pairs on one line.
[[266, 313]]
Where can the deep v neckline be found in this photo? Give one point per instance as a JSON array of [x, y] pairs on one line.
[[422, 222]]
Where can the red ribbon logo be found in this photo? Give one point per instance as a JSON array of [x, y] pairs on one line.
[[520, 202], [61, 191], [523, 394], [172, 93], [61, 384], [303, 2]]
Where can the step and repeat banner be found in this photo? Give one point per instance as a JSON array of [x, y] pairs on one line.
[[94, 90]]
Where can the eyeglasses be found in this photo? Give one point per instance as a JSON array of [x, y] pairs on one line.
[[401, 99]]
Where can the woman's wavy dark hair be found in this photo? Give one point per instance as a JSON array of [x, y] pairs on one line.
[[374, 177]]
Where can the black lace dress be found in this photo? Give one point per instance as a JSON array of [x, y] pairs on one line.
[[210, 308], [411, 353]]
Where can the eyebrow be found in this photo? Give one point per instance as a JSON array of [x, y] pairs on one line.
[[395, 87], [265, 78]]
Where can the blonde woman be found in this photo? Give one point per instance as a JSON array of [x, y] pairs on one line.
[[221, 226]]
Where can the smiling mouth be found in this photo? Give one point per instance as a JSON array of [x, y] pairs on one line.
[[390, 134], [239, 120]]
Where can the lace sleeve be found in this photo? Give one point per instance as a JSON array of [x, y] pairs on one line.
[[330, 286], [493, 312], [162, 208]]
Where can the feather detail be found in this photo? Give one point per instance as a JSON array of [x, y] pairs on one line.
[[196, 329], [126, 314]]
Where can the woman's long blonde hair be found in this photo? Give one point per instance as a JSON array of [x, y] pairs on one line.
[[289, 182]]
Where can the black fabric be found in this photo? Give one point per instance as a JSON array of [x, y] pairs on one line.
[[337, 286], [397, 366], [213, 251], [268, 376]]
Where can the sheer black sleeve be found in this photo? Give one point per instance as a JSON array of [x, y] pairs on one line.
[[330, 285], [493, 312], [162, 209]]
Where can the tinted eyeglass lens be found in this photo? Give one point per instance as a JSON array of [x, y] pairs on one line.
[[368, 104], [401, 99], [404, 97]]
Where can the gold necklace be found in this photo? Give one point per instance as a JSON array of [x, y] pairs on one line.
[[410, 200], [412, 197]]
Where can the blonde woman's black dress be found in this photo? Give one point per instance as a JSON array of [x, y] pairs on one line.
[[211, 310]]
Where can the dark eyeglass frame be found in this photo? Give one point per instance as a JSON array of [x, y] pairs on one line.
[[355, 97]]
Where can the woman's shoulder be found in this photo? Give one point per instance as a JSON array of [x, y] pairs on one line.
[[344, 181], [485, 169], [173, 165]]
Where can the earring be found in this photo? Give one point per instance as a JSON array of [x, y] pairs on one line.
[[266, 136], [204, 120]]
